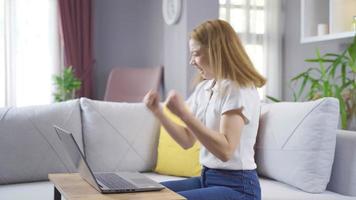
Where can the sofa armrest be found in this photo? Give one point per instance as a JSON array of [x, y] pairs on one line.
[[343, 177]]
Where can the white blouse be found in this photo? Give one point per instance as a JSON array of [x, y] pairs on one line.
[[209, 103]]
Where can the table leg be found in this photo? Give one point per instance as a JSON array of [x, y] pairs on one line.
[[57, 194]]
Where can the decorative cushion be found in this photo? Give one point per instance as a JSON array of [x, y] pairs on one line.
[[172, 159], [29, 145], [119, 136], [296, 142]]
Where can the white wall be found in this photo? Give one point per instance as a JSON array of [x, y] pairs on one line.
[[178, 72], [126, 33], [132, 33]]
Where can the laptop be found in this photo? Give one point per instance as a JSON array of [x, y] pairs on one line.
[[108, 182]]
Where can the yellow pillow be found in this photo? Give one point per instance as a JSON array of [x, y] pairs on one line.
[[172, 159]]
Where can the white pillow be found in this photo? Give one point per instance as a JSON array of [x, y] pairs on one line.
[[119, 136], [296, 142]]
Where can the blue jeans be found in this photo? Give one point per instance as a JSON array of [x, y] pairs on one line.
[[219, 184]]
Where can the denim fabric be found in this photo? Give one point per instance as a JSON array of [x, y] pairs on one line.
[[218, 184]]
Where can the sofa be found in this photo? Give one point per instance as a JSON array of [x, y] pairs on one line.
[[299, 151]]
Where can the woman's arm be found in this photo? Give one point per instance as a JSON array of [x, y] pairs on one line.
[[222, 143], [179, 133]]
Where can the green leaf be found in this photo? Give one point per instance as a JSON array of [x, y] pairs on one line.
[[305, 80], [319, 60], [321, 64], [343, 74], [352, 49], [326, 88], [347, 84], [331, 55], [342, 107], [298, 76], [314, 90], [293, 92], [273, 98], [66, 84]]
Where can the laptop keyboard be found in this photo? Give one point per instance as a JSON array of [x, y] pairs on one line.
[[113, 181]]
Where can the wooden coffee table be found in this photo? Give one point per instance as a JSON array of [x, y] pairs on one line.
[[73, 187]]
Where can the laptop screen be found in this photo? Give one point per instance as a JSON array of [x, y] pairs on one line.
[[76, 156]]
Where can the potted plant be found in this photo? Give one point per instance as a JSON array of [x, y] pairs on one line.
[[66, 85], [334, 76]]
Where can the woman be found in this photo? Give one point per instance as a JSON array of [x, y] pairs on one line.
[[223, 116]]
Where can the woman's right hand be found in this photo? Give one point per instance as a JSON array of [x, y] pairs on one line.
[[151, 100]]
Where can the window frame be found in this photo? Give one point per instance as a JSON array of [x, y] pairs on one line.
[[249, 37], [247, 6]]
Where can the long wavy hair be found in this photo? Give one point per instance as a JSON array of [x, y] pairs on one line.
[[227, 56]]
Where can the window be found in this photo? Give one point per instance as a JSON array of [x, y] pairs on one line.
[[247, 17], [29, 51]]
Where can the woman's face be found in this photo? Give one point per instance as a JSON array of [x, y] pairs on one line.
[[199, 59]]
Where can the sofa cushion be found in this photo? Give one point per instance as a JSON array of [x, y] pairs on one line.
[[161, 178], [271, 190], [172, 159], [343, 176], [29, 146], [119, 136], [30, 191], [296, 142], [274, 190]]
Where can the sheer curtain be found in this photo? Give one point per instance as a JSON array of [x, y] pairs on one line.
[[273, 47], [2, 53], [29, 50], [257, 22]]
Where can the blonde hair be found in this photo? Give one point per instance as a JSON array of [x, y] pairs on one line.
[[227, 56]]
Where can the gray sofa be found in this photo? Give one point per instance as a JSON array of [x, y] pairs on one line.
[[127, 134]]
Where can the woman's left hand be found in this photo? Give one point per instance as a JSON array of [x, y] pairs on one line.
[[176, 104]]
